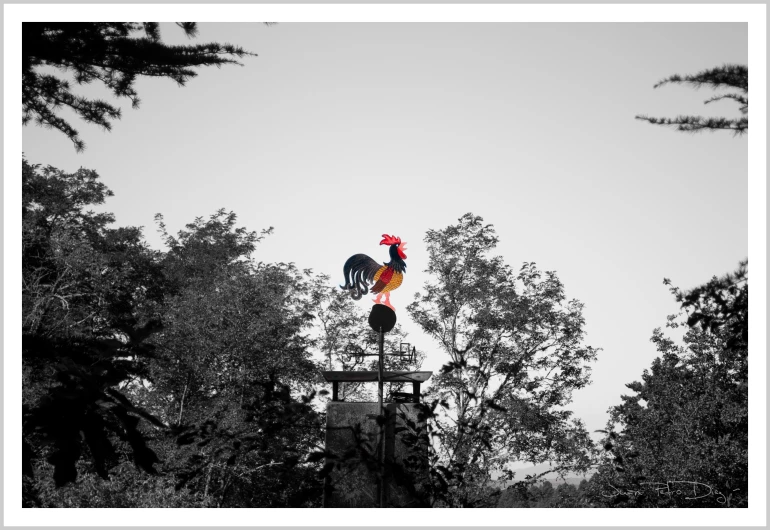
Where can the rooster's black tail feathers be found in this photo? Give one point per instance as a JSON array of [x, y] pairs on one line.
[[359, 270]]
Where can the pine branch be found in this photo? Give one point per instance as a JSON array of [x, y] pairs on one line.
[[696, 124], [107, 53], [729, 75], [743, 100]]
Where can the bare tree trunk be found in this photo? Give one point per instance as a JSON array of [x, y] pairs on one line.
[[243, 387], [208, 481], [224, 492], [181, 403]]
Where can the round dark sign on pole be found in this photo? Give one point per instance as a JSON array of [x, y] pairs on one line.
[[382, 318]]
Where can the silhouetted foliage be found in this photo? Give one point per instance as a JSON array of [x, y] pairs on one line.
[[193, 365], [729, 76], [90, 298], [108, 52], [681, 440], [256, 456]]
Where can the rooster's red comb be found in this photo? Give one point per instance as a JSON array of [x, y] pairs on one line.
[[389, 240]]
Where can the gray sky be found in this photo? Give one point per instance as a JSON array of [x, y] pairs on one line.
[[338, 133]]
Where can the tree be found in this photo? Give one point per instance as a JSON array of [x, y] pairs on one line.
[[545, 496], [229, 318], [685, 428], [515, 355], [720, 305], [222, 376], [107, 52], [236, 363], [730, 76], [90, 299], [252, 454]]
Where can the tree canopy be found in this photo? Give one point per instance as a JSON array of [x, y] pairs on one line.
[[515, 354], [90, 299], [192, 365], [733, 77], [112, 53], [685, 427]]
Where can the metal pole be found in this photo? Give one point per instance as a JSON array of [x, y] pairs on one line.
[[382, 424], [380, 376]]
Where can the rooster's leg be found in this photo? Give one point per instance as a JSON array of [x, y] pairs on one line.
[[387, 301], [378, 298]]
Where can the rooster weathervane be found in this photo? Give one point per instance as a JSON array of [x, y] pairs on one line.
[[360, 271]]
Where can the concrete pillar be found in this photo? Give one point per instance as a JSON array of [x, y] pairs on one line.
[[352, 437]]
